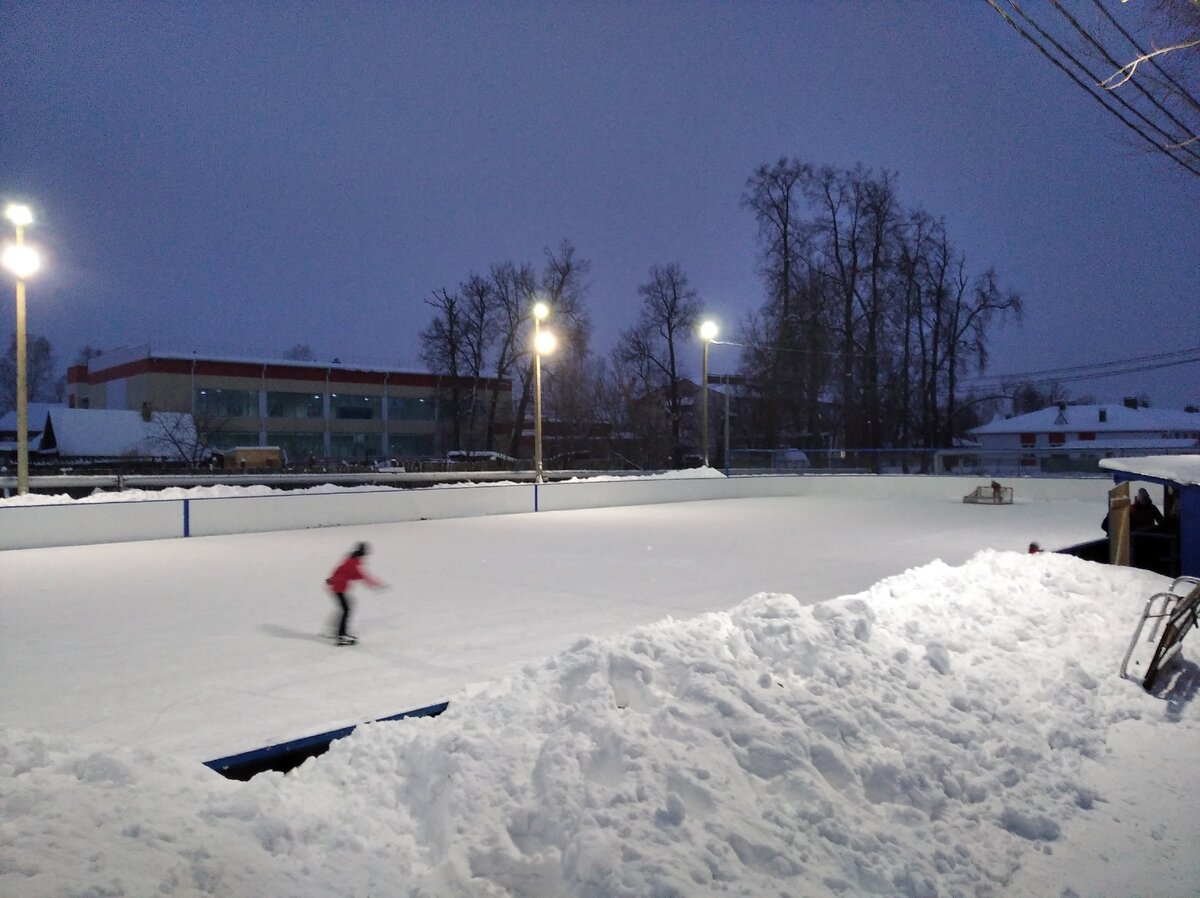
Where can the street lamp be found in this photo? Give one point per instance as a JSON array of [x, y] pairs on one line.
[[543, 344], [22, 261], [708, 333]]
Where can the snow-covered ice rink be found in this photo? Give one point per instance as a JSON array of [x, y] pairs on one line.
[[209, 647], [957, 729]]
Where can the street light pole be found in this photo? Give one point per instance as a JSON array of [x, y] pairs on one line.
[[708, 333], [540, 312], [21, 261]]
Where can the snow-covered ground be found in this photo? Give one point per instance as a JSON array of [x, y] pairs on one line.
[[806, 697]]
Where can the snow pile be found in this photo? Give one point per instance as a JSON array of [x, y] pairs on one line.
[[917, 739]]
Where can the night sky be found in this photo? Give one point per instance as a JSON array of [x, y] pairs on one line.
[[240, 177]]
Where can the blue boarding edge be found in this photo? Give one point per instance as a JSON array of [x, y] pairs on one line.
[[285, 756]]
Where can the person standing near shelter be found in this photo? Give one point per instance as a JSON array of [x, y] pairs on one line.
[[1144, 514], [350, 570]]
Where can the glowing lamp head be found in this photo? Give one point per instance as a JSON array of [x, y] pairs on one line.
[[19, 215], [708, 331], [22, 261], [541, 311], [545, 343]]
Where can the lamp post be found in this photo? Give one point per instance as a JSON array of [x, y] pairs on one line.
[[22, 261], [543, 344], [708, 333]]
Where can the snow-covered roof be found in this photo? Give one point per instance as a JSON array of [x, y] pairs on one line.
[[108, 433], [1181, 469], [1117, 419], [37, 419], [113, 358]]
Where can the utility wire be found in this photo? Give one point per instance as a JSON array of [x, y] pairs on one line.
[[1094, 78], [1172, 142], [1066, 374], [1040, 378], [1137, 84], [1183, 92], [1175, 355], [1099, 98]]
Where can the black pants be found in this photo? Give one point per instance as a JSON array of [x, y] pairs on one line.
[[345, 616]]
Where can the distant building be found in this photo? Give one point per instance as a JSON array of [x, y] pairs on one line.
[[118, 433], [309, 409], [93, 434], [1075, 437], [36, 420]]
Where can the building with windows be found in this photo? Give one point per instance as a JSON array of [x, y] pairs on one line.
[[308, 409], [1076, 437]]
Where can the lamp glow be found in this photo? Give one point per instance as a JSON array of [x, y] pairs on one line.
[[708, 330], [545, 343], [19, 214], [21, 260], [541, 311]]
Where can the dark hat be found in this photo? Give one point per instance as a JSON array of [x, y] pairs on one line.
[[360, 550]]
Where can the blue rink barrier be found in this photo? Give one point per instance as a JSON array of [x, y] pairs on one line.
[[285, 756]]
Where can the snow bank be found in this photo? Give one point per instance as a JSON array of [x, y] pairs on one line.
[[918, 739]]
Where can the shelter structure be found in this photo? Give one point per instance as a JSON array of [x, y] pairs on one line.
[[1179, 475]]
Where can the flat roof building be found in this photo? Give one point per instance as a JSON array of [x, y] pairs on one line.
[[309, 409]]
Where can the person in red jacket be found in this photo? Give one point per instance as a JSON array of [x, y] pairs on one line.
[[350, 570]]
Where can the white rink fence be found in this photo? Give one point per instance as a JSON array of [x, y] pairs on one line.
[[29, 526]]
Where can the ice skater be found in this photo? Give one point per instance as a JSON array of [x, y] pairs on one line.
[[350, 570]]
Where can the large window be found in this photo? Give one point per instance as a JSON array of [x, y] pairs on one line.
[[364, 446], [300, 447], [347, 407], [410, 408], [226, 403], [295, 405], [410, 445]]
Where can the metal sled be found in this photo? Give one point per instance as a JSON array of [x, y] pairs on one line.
[[1159, 635]]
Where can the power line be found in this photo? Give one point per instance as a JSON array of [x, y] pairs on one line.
[[1183, 92], [1176, 86], [1116, 368], [1040, 377], [1101, 98]]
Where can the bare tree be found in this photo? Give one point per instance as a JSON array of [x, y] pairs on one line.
[[178, 437], [514, 287], [301, 352], [786, 356], [441, 350], [653, 346], [870, 312], [563, 288], [41, 384]]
